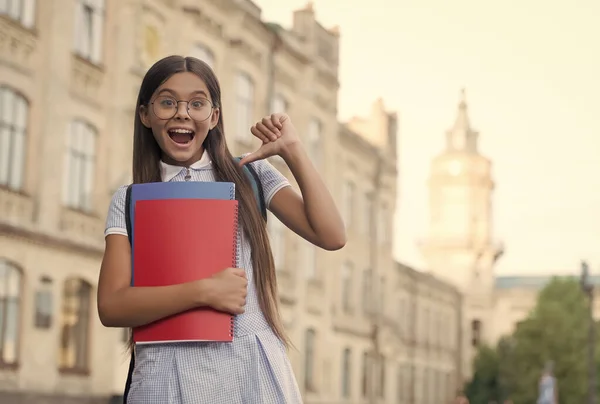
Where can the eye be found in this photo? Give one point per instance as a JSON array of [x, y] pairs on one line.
[[166, 102], [199, 103]]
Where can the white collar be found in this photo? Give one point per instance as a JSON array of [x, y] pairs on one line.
[[168, 171]]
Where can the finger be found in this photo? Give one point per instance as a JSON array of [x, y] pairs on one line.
[[268, 122], [259, 134], [266, 131], [275, 118], [239, 272]]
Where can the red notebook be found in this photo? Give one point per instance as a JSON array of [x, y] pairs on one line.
[[181, 240]]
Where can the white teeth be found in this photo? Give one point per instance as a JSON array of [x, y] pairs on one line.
[[180, 131]]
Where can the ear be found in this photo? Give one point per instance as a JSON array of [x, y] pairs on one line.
[[214, 119], [144, 116]]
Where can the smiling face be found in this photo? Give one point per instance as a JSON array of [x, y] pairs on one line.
[[180, 114]]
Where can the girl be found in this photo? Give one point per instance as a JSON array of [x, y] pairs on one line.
[[178, 135]]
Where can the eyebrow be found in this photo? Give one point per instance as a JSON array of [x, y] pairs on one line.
[[168, 90]]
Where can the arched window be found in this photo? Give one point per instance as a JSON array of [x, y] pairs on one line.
[[244, 91], [75, 325], [14, 111], [309, 360], [346, 373], [279, 104], [203, 53], [89, 29], [80, 165], [11, 286]]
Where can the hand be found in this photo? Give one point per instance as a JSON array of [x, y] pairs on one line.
[[277, 133], [226, 290]]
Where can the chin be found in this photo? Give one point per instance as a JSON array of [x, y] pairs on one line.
[[182, 154]]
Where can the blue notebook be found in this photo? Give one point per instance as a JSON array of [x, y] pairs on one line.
[[177, 190]]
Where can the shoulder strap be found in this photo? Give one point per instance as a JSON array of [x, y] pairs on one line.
[[256, 186], [128, 212]]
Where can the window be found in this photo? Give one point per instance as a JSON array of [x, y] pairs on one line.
[[44, 304], [244, 88], [14, 110], [277, 236], [89, 29], [347, 287], [75, 327], [476, 333], [365, 374], [400, 384], [346, 372], [22, 11], [384, 224], [201, 52], [310, 264], [11, 285], [80, 166], [425, 326], [367, 292], [314, 141], [309, 360], [279, 104], [348, 202], [125, 335], [382, 294], [381, 371], [368, 214]]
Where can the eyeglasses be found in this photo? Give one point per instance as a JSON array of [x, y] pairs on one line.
[[199, 109]]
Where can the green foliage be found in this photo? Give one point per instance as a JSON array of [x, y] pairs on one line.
[[556, 330], [484, 387]]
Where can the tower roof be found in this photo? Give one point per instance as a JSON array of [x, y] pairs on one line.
[[461, 137], [461, 123]]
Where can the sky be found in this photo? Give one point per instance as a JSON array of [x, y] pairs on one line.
[[531, 70]]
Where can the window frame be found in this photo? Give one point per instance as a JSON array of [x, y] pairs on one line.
[[90, 19], [12, 268], [16, 131], [80, 165], [79, 366], [245, 97]]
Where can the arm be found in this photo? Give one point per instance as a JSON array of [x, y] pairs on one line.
[[120, 305], [312, 215]]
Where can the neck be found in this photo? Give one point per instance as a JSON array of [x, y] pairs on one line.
[[196, 157]]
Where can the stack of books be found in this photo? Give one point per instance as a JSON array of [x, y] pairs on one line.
[[182, 232]]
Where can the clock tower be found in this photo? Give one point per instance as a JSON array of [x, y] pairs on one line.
[[459, 246]]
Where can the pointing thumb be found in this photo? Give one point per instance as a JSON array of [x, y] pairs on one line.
[[249, 158]]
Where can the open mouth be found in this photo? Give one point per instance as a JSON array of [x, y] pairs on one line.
[[181, 136]]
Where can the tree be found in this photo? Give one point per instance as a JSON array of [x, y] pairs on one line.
[[484, 387], [556, 330]]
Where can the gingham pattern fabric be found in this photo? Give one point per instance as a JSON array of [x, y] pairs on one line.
[[253, 369]]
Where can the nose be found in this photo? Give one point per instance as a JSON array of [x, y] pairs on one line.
[[182, 112]]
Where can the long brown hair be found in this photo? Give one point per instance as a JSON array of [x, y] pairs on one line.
[[146, 168]]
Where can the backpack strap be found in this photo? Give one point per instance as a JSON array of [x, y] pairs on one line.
[[128, 211], [256, 186]]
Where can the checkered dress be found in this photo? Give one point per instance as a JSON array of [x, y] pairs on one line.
[[253, 369]]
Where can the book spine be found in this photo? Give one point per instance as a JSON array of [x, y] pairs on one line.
[[236, 251]]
